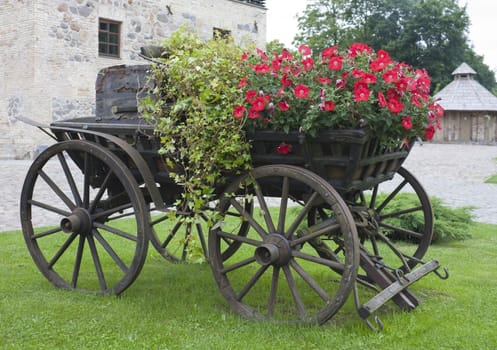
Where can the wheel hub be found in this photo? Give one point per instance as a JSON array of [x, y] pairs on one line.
[[275, 250], [78, 222]]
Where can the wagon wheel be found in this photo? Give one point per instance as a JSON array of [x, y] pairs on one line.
[[276, 273], [401, 228], [84, 218], [180, 236]]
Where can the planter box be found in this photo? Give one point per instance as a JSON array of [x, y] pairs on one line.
[[350, 160]]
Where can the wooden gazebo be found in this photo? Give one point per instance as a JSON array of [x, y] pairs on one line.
[[470, 110]]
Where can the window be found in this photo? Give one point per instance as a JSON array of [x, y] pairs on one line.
[[109, 33], [219, 33]]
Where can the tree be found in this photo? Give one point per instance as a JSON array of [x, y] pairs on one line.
[[429, 34]]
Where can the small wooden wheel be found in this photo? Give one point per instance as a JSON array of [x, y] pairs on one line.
[[276, 272], [84, 219]]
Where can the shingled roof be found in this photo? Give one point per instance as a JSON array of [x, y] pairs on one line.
[[464, 93]]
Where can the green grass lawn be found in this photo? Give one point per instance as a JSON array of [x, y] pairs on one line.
[[179, 307]]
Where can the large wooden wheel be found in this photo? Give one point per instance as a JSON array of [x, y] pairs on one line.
[[84, 219], [276, 272]]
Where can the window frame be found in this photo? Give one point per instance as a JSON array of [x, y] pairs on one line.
[[108, 43]]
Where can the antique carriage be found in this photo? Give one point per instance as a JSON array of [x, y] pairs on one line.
[[290, 240]]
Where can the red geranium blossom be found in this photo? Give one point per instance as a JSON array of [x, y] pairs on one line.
[[284, 148], [253, 114], [361, 94], [285, 81], [262, 68], [308, 63], [239, 111], [429, 132], [381, 99], [283, 106], [301, 91], [391, 76], [305, 50], [242, 82], [328, 106], [250, 96], [395, 106], [407, 122], [335, 63], [259, 104], [324, 81]]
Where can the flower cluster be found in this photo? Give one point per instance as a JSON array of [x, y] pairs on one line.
[[354, 88]]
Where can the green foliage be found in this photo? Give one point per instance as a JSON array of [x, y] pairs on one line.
[[191, 108], [423, 33], [451, 224]]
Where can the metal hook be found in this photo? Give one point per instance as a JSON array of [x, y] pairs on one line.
[[444, 276], [379, 324]]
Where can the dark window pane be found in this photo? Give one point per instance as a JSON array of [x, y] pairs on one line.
[[102, 48], [114, 28], [113, 50], [113, 38], [102, 37], [103, 26]]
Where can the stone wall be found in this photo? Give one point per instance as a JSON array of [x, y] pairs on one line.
[[50, 58]]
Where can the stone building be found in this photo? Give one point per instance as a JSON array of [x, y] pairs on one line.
[[470, 110], [52, 51]]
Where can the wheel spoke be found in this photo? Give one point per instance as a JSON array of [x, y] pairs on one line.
[[283, 204], [237, 265], [97, 263], [252, 282], [61, 250], [57, 190], [46, 233], [70, 179], [77, 262], [86, 181], [271, 304], [238, 238], [401, 212], [109, 212], [115, 231], [309, 233], [264, 208], [402, 231], [247, 216], [302, 214], [310, 281], [49, 207], [391, 196], [334, 265], [100, 192], [295, 294], [110, 251]]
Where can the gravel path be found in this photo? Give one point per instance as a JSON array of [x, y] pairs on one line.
[[455, 173]]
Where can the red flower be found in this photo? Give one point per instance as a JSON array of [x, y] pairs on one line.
[[383, 56], [259, 104], [369, 78], [335, 63], [391, 76], [283, 106], [357, 73], [276, 63], [407, 122], [308, 63], [285, 81], [328, 106], [395, 106], [328, 53], [416, 101], [245, 55], [361, 94], [284, 148], [239, 111], [242, 82], [429, 132], [305, 50], [262, 68], [439, 111], [324, 81], [402, 84], [253, 114], [356, 48], [250, 96], [381, 99], [262, 54], [377, 65], [301, 91]]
